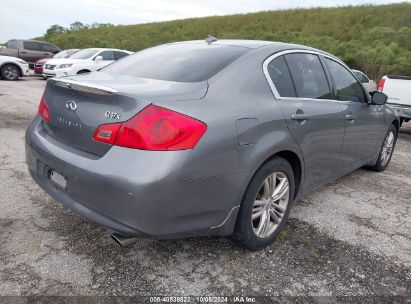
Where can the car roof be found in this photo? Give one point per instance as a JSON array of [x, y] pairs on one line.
[[251, 44], [255, 44], [275, 46], [103, 49], [30, 40]]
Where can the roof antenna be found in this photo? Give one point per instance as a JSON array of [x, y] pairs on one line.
[[210, 39]]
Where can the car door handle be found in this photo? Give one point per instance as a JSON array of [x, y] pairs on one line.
[[350, 116], [300, 116], [23, 52], [45, 53]]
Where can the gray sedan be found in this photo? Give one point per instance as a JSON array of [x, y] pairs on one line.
[[215, 137]]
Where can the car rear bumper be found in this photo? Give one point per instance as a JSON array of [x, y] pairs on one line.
[[403, 111], [135, 192]]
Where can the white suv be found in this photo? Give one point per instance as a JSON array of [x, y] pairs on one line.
[[12, 68], [83, 61]]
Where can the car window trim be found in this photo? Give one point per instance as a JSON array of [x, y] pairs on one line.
[[281, 53]]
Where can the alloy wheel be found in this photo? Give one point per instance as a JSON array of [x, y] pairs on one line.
[[270, 204], [387, 148], [10, 72]]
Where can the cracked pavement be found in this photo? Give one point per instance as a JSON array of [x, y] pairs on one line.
[[349, 238]]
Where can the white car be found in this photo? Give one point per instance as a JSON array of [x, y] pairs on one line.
[[12, 68], [369, 84], [84, 61], [398, 89]]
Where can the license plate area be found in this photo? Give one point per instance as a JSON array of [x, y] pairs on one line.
[[57, 179]]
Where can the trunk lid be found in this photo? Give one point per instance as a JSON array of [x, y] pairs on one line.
[[79, 104]]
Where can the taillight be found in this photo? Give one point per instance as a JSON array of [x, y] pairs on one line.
[[107, 133], [380, 85], [44, 111], [154, 128]]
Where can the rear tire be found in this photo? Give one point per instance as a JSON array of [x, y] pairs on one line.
[[83, 72], [386, 150], [264, 209], [10, 72]]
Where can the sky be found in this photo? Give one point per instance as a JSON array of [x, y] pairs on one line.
[[24, 19]]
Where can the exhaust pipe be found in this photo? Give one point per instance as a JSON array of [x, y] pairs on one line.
[[123, 241]]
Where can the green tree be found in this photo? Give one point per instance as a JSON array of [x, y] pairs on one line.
[[54, 30], [404, 37], [75, 26]]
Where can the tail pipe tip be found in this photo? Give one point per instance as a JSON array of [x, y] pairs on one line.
[[123, 241]]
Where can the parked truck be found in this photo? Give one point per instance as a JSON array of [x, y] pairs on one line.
[[398, 89], [29, 50]]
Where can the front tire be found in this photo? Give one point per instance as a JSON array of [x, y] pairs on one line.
[[386, 151], [266, 205], [10, 72]]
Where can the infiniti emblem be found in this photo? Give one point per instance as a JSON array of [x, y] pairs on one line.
[[71, 105]]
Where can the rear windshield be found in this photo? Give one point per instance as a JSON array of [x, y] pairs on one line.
[[177, 62]]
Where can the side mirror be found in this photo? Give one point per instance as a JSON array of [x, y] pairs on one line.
[[98, 58], [378, 98]]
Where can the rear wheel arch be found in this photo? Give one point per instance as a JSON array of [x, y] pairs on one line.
[[295, 162]]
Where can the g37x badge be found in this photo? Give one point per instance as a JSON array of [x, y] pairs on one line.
[[112, 115]]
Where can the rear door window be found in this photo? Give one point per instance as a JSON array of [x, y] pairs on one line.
[[347, 86], [118, 55], [107, 55], [32, 46], [281, 77], [308, 76]]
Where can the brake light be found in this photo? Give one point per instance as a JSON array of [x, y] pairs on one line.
[[154, 128], [380, 85], [44, 111]]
